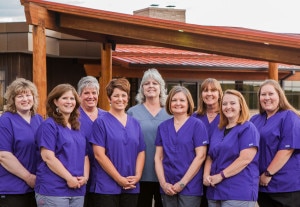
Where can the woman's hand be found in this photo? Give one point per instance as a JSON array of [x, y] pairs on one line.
[[168, 188], [207, 180], [215, 179], [73, 182], [82, 180], [264, 180]]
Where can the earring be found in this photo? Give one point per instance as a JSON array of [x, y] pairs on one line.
[[57, 110]]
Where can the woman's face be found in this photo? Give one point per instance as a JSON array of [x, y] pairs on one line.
[[24, 101], [269, 99], [119, 100], [210, 95], [89, 98], [231, 107], [66, 103], [179, 104], [151, 88]]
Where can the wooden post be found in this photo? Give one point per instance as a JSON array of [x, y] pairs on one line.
[[273, 71], [106, 75], [39, 65]]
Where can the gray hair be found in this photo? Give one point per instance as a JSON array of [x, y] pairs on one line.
[[87, 82], [152, 73]]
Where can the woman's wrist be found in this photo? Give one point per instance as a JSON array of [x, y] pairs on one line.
[[223, 175]]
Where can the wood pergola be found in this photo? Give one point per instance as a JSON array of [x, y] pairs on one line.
[[112, 28]]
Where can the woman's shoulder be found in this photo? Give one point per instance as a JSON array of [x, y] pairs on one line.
[[134, 108], [196, 120], [247, 126], [6, 115]]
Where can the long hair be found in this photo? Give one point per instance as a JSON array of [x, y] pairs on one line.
[[152, 73], [215, 85], [244, 113], [55, 94], [283, 102], [18, 86]]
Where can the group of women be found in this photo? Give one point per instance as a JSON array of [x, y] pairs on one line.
[[158, 151]]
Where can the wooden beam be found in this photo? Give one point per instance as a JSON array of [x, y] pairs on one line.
[[39, 65], [190, 74], [184, 40], [273, 71], [106, 75]]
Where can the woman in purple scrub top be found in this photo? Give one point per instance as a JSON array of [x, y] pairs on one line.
[[279, 163], [88, 91], [63, 167], [209, 104], [119, 149], [209, 111], [231, 168], [18, 151], [181, 145]]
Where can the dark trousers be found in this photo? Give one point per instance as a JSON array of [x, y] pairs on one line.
[[148, 192], [290, 199], [120, 200], [204, 202], [20, 200], [88, 200]]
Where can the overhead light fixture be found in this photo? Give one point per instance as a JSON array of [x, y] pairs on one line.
[[171, 6], [154, 5]]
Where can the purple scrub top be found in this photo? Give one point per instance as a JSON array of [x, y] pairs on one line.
[[224, 151], [280, 131], [179, 152], [17, 137], [210, 127], [69, 147], [122, 146], [86, 129]]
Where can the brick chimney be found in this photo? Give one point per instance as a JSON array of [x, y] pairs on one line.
[[162, 13]]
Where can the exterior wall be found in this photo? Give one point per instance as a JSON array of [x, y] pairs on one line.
[[162, 13], [19, 65]]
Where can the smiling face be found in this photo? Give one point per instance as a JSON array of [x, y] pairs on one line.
[[89, 98], [66, 103], [118, 100], [151, 89], [269, 99], [210, 95], [231, 107], [179, 104], [24, 101]]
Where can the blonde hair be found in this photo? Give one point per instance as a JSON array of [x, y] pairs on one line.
[[18, 86], [283, 102], [244, 113]]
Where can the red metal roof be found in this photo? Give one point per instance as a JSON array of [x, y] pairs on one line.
[[138, 55]]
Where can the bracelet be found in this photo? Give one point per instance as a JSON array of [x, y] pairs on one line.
[[222, 174]]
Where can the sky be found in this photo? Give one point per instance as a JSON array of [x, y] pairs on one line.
[[280, 16]]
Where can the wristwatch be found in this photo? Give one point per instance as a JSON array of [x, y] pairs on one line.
[[268, 174], [182, 185]]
